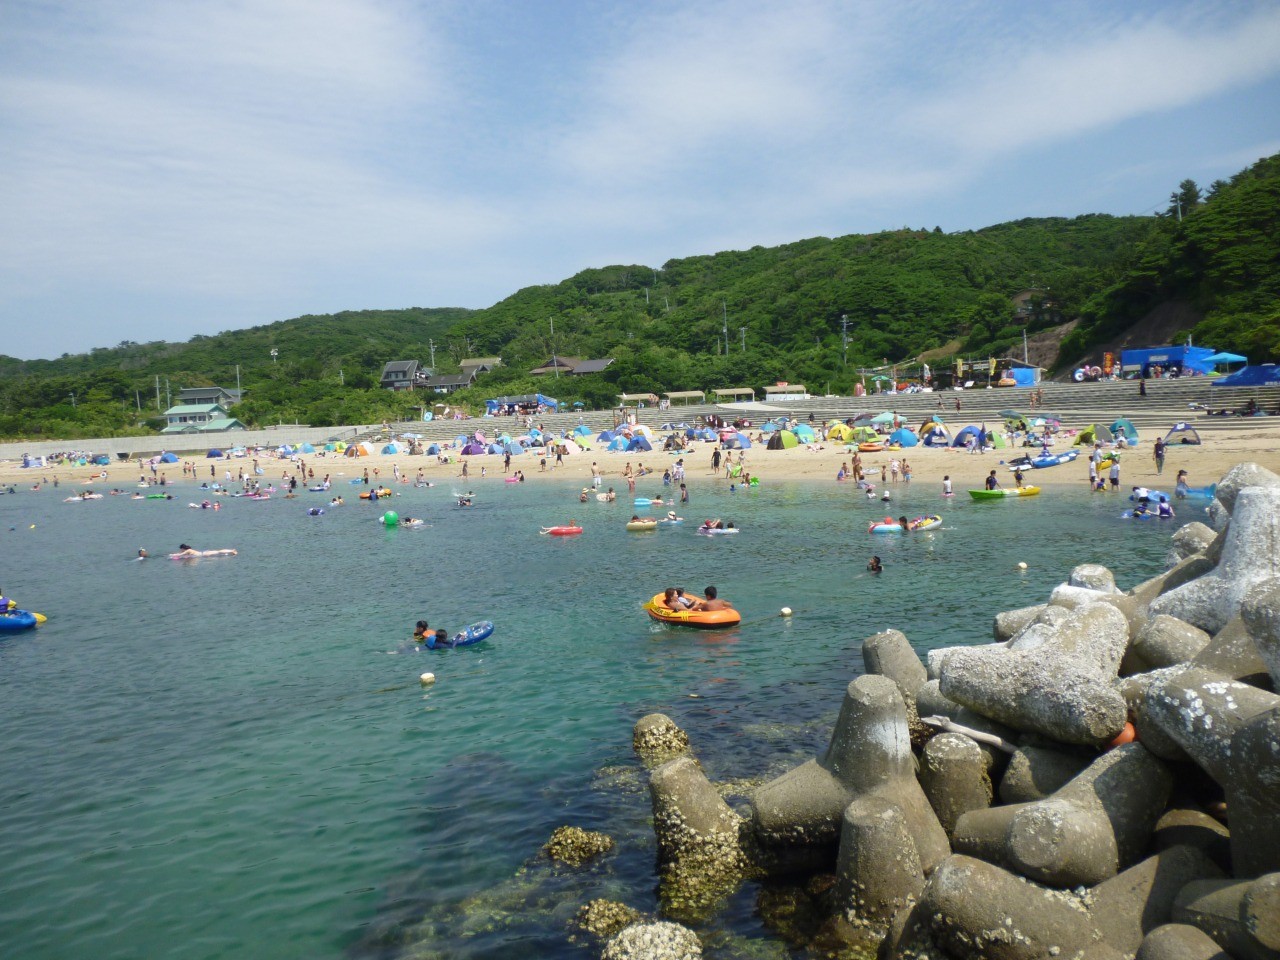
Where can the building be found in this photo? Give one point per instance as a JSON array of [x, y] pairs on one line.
[[479, 365], [199, 418], [400, 375], [571, 365], [449, 382], [206, 395], [591, 366]]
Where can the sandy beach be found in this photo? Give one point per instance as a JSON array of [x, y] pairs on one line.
[[1206, 463]]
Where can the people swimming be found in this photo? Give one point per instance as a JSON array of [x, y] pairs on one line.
[[874, 565], [188, 552]]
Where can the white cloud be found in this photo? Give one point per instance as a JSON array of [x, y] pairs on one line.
[[1052, 91]]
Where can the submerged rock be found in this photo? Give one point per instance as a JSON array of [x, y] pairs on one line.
[[653, 940], [575, 846], [604, 918]]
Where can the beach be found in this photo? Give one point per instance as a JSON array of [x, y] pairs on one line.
[[1204, 463]]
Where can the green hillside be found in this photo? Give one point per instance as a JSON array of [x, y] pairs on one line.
[[899, 293]]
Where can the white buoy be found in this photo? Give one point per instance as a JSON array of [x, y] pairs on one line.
[[786, 611], [427, 678], [1022, 565]]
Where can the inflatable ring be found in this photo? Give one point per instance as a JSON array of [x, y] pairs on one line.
[[1078, 376], [562, 531], [887, 525], [642, 525]]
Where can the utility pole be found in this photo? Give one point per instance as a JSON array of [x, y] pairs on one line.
[[137, 398], [73, 400], [432, 345], [1024, 345], [844, 339], [158, 393], [237, 383], [742, 331], [168, 394], [342, 380], [726, 327], [554, 362]]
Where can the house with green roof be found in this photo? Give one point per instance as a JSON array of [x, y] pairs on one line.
[[199, 418]]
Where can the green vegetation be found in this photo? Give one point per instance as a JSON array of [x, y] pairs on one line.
[[737, 318]]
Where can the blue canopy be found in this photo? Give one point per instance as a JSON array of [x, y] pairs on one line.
[[639, 442], [1225, 358], [168, 458], [618, 443], [1267, 374], [904, 437], [213, 453]]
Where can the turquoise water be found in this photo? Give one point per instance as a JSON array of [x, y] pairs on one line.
[[230, 757]]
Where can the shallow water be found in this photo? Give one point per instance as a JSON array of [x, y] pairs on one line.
[[231, 757]]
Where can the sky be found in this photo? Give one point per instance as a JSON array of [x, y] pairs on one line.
[[179, 167]]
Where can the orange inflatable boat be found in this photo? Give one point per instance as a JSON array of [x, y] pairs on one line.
[[707, 619]]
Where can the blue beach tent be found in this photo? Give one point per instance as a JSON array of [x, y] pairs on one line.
[[168, 458], [618, 444], [433, 450], [212, 454], [963, 436], [306, 448], [904, 437], [639, 442]]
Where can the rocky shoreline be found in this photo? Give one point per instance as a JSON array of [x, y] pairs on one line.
[[1102, 781]]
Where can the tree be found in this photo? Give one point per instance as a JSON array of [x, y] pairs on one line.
[[1185, 199]]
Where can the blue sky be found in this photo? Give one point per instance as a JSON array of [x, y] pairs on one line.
[[174, 167]]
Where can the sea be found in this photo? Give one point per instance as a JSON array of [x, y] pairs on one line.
[[235, 757]]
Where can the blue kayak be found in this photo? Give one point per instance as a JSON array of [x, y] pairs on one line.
[[467, 636], [1053, 460], [16, 620]]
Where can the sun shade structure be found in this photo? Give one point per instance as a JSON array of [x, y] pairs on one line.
[[1182, 432]]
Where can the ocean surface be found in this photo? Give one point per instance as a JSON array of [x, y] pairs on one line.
[[234, 757]]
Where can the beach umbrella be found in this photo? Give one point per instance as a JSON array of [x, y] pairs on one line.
[[1011, 414], [887, 417], [768, 427], [578, 404]]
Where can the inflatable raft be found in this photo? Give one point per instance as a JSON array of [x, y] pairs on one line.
[[925, 523], [377, 493], [642, 525], [1001, 494], [15, 620], [562, 531], [706, 619]]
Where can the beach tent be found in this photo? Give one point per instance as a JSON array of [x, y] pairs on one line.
[[473, 448], [512, 448], [285, 450], [213, 453], [618, 444], [840, 432], [461, 440], [494, 447], [1124, 427], [102, 460], [769, 427], [735, 441], [935, 435], [996, 439], [582, 430], [804, 433], [904, 437], [604, 436], [639, 442], [864, 435], [1094, 433], [1182, 433], [885, 418], [392, 447], [782, 440], [306, 448], [962, 438], [1016, 422], [358, 450], [433, 450], [642, 429], [168, 458]]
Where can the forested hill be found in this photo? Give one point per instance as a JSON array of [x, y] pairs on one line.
[[1218, 251], [737, 318]]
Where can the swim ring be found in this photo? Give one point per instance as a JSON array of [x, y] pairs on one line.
[[635, 525], [887, 525]]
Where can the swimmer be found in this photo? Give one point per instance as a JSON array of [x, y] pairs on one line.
[[142, 554], [874, 565], [420, 631]]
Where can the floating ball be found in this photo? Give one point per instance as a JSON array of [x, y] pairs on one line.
[[427, 678], [1022, 565], [786, 611], [391, 518]]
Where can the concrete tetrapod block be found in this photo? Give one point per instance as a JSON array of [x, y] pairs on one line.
[[930, 702], [1136, 690], [1085, 832], [1261, 614], [1040, 630], [1009, 623], [1250, 554], [1233, 653], [1201, 712], [869, 754], [656, 739], [890, 654], [700, 855], [1179, 941], [953, 774], [1243, 916], [1093, 576], [1035, 773], [1140, 899], [878, 869], [1185, 826], [1060, 690], [1190, 539], [976, 909], [1253, 796], [1165, 642], [1239, 478]]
